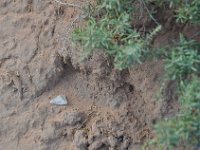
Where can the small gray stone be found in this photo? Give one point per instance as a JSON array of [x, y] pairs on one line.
[[59, 100], [114, 103]]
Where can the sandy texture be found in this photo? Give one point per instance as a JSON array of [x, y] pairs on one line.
[[108, 109]]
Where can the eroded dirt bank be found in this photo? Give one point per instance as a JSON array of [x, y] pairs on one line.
[[107, 109]]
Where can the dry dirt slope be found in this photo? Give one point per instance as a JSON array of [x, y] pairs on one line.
[[108, 110]]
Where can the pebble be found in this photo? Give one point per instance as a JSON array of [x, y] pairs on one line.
[[59, 100]]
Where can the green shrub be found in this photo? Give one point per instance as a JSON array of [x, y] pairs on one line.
[[109, 28], [189, 12], [183, 60], [186, 10], [182, 63], [185, 127], [115, 37]]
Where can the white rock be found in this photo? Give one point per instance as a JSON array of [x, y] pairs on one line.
[[59, 100]]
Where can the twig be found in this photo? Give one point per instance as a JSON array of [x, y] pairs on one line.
[[149, 13], [196, 34], [68, 4], [77, 19], [73, 23]]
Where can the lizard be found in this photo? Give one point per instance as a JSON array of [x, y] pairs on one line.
[[15, 79], [18, 83]]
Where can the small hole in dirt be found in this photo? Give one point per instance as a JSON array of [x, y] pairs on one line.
[[154, 121], [46, 22], [131, 88], [121, 138]]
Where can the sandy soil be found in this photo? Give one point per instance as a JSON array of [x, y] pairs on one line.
[[107, 110]]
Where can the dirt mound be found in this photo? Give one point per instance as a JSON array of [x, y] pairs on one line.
[[107, 109]]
